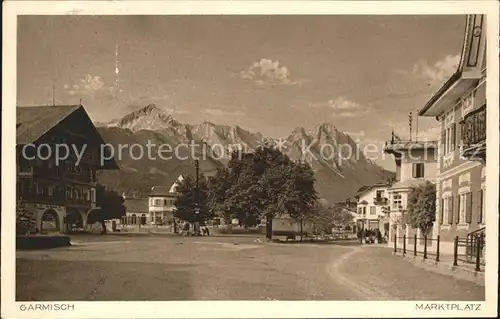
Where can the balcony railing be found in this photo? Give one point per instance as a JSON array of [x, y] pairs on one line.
[[473, 129], [54, 199], [380, 201]]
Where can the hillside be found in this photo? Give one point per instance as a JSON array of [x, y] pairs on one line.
[[338, 176]]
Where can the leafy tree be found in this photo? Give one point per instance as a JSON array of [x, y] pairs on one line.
[[186, 201], [25, 219], [325, 216], [110, 206], [421, 210], [262, 184]]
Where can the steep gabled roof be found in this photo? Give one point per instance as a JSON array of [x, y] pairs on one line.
[[168, 189], [34, 121], [366, 188]]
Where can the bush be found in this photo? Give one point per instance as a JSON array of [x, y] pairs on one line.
[[25, 219]]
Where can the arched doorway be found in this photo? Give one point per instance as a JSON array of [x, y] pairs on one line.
[[74, 220], [143, 219], [49, 222]]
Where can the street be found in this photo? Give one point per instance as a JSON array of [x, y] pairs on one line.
[[128, 268]]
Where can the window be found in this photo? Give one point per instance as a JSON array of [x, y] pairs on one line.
[[449, 138], [449, 209], [92, 195], [134, 219], [380, 194], [364, 210], [461, 205], [396, 200], [360, 210], [418, 170], [372, 210], [157, 202], [165, 202], [457, 210], [468, 208], [69, 193]]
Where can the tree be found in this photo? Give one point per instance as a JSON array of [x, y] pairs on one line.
[[262, 184], [25, 219], [110, 206], [421, 209], [186, 201], [324, 217]]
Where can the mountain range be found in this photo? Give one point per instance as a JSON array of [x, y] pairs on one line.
[[321, 146]]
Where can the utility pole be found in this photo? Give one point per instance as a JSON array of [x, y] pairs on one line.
[[196, 196], [409, 120], [416, 127]]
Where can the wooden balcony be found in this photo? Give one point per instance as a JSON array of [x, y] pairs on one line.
[[380, 200], [473, 129], [55, 199]]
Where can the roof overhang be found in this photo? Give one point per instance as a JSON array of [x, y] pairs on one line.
[[448, 95], [469, 70]]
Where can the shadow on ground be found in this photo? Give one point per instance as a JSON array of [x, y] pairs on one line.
[[57, 280]]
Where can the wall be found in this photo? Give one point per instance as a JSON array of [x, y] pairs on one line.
[[450, 160], [427, 156], [470, 179], [169, 206], [369, 196]]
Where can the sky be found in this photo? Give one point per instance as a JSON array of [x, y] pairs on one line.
[[270, 74]]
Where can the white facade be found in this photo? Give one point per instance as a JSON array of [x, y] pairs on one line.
[[416, 163], [161, 202], [371, 207]]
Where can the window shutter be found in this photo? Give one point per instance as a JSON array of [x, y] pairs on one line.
[[443, 140], [453, 136], [414, 170], [450, 210], [421, 170], [441, 213], [480, 199], [468, 212], [457, 212]]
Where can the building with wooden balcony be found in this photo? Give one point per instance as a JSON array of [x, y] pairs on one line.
[[372, 202], [460, 108], [58, 156], [416, 162]]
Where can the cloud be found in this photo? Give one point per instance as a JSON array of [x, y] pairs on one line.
[[437, 73], [343, 107], [88, 86], [268, 72], [430, 134]]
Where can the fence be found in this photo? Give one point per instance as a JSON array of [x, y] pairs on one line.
[[472, 246], [413, 246]]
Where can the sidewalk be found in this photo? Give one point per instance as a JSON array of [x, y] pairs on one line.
[[464, 270]]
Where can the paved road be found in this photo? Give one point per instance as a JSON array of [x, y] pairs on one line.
[[226, 268]]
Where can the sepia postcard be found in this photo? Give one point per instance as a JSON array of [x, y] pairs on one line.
[[250, 159]]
